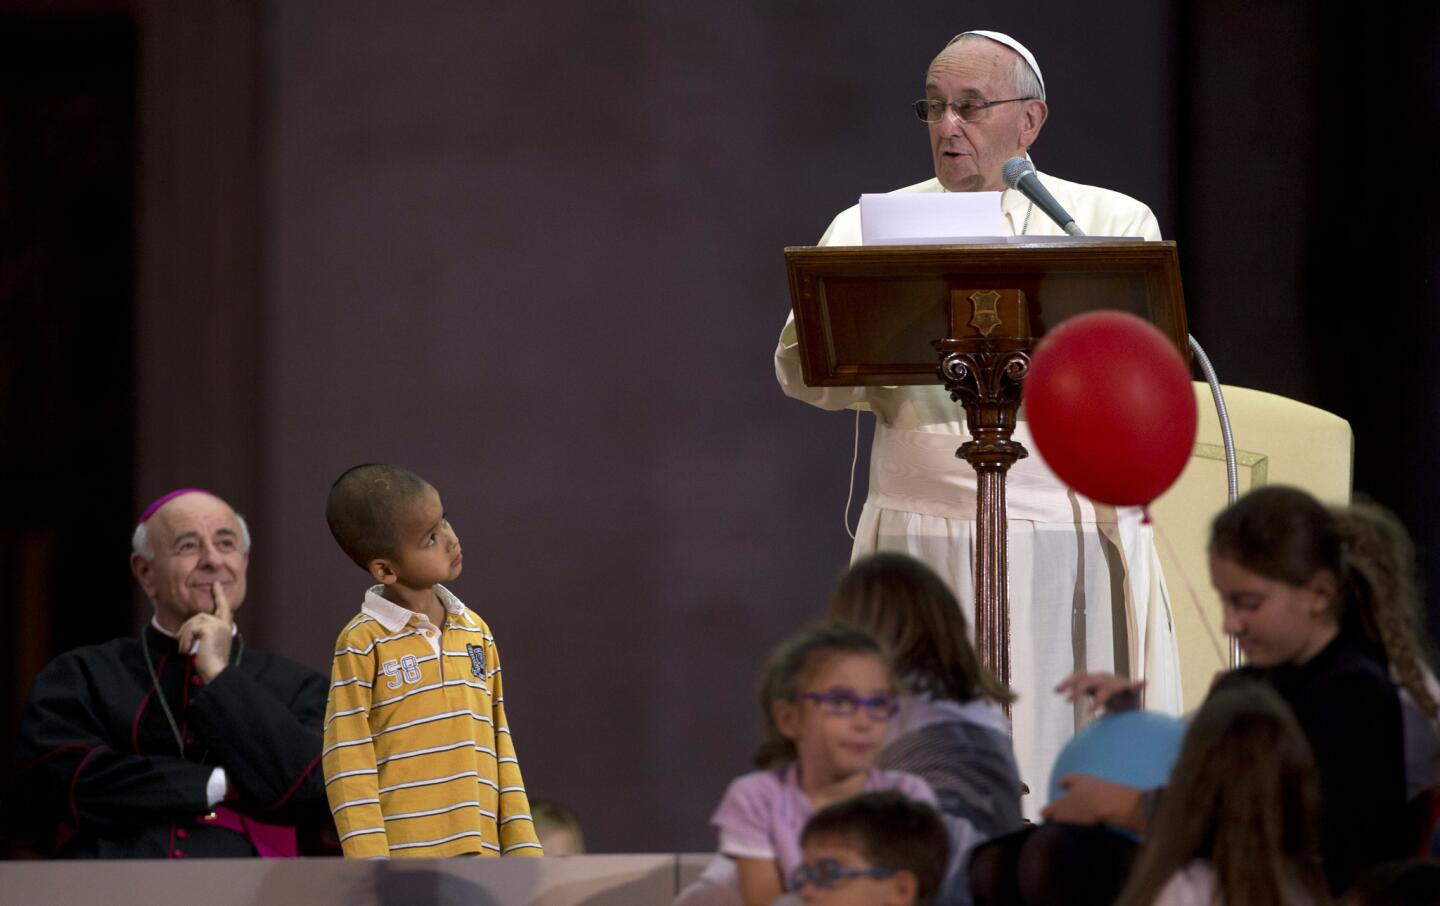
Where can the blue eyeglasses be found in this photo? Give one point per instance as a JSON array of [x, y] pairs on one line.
[[826, 873], [844, 703]]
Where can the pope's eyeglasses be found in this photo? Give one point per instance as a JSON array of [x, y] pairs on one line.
[[970, 110]]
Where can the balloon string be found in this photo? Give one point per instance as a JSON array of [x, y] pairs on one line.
[[1189, 587]]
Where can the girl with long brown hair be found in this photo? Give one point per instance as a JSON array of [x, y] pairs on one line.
[[1299, 583], [1237, 823], [951, 728]]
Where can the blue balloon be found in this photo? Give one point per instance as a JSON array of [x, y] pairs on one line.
[[1135, 748]]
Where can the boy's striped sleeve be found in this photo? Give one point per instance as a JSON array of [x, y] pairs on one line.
[[351, 779], [517, 829]]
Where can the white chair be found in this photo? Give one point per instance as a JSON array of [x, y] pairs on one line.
[[1277, 441]]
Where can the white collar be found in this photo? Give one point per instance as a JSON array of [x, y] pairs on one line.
[[1012, 201], [394, 617]]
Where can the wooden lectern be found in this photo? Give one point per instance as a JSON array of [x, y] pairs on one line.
[[968, 316]]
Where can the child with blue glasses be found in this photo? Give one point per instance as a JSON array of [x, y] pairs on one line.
[[827, 695], [875, 849]]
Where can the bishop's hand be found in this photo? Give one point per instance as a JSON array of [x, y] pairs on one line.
[[208, 636]]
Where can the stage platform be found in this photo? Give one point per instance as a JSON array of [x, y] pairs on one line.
[[632, 880]]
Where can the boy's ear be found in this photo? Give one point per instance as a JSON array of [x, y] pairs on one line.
[[382, 570], [786, 715], [905, 887]]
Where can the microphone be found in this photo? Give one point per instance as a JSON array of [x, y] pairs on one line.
[[1019, 174]]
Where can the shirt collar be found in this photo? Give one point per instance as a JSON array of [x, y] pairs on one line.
[[394, 617], [1013, 203]]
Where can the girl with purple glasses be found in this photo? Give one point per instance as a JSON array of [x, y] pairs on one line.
[[827, 695]]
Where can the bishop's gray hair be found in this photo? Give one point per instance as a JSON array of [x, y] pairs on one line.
[[1027, 83], [140, 541]]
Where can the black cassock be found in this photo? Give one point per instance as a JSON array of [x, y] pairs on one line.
[[99, 772]]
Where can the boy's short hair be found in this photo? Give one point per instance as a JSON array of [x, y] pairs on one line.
[[890, 831], [547, 815], [365, 506]]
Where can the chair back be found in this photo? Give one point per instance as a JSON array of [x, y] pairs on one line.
[[1277, 441]]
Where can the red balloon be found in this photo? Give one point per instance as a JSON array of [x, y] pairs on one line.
[[1109, 403]]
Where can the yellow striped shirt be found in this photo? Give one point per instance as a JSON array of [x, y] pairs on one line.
[[418, 757]]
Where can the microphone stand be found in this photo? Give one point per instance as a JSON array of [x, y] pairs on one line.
[[1232, 471]]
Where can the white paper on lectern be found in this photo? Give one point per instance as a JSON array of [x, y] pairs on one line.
[[931, 218]]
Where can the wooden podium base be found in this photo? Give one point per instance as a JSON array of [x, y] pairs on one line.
[[984, 369]]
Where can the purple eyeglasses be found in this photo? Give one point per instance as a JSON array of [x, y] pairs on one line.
[[844, 703]]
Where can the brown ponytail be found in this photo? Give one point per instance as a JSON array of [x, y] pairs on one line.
[[1385, 592]]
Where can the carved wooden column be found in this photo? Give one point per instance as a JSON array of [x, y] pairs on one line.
[[983, 364]]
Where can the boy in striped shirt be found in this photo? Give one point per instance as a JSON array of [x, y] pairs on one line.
[[418, 758]]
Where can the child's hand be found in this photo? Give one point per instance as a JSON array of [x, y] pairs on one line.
[[208, 636], [1119, 693], [1090, 800]]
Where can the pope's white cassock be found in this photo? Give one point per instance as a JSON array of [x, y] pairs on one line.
[[1086, 592]]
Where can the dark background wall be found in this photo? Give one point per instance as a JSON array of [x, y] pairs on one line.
[[533, 253]]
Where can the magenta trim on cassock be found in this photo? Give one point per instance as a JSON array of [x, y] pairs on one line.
[[271, 841], [166, 498]]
